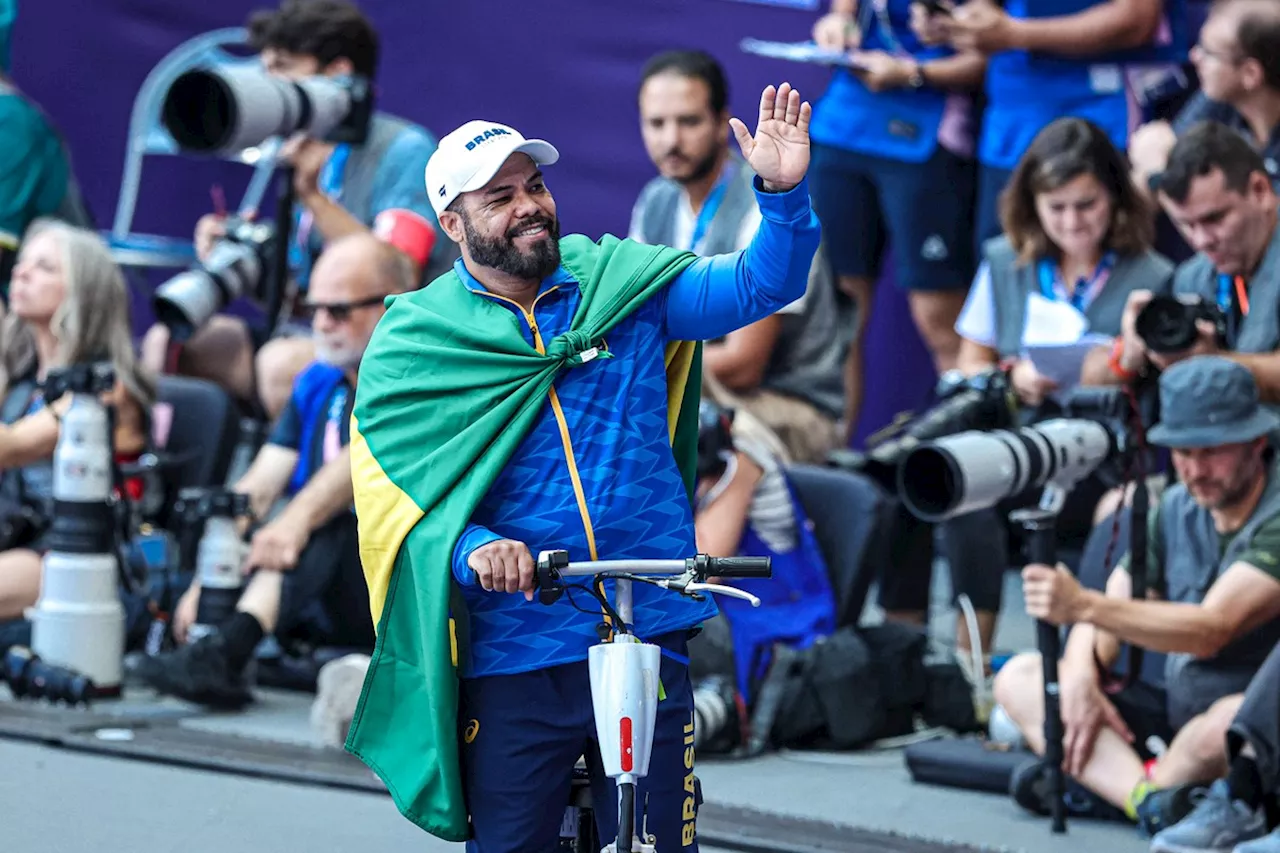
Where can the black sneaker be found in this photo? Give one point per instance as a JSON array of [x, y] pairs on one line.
[[198, 672], [1029, 787]]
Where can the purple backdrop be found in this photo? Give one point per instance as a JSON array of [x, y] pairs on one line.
[[567, 73]]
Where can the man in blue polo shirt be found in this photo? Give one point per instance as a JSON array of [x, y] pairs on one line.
[[893, 166], [306, 582], [1052, 58]]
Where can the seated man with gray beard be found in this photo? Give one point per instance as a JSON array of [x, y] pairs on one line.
[[305, 579]]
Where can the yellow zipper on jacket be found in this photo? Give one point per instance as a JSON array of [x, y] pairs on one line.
[[558, 411]]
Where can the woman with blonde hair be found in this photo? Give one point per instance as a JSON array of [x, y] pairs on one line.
[[68, 305]]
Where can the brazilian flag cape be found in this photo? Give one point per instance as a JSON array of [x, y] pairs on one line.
[[448, 388]]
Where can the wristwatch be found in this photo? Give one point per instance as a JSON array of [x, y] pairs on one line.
[[916, 78]]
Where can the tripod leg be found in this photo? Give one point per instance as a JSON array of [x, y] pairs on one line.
[[1040, 549], [1049, 642]]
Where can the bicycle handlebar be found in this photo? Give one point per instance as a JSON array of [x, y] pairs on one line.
[[687, 577]]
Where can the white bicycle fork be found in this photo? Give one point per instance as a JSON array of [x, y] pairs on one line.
[[624, 695]]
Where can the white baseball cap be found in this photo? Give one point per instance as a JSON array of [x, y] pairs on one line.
[[468, 158]]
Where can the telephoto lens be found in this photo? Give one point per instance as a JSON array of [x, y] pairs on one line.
[[29, 677], [219, 554], [226, 109], [236, 267], [79, 622], [970, 471]]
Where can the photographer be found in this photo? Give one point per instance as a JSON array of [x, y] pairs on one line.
[[1212, 606], [1077, 241], [1237, 63], [68, 305], [340, 190], [1216, 190], [306, 581], [1231, 814], [786, 368], [745, 506]]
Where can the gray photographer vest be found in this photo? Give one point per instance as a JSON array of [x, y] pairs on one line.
[[1013, 282], [1190, 546], [808, 359], [1260, 328]]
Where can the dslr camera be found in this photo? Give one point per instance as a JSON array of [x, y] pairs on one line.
[[237, 267], [984, 401], [227, 109], [1168, 323]]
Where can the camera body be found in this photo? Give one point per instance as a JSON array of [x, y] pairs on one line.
[[1167, 323], [715, 438], [237, 267], [89, 378], [984, 401], [214, 512]]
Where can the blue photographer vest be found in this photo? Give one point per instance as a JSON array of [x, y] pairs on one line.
[[1189, 551], [898, 124], [1026, 91], [797, 606], [311, 392]]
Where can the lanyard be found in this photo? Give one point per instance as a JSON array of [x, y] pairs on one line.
[[881, 9], [710, 207], [332, 445], [1224, 293], [1234, 309], [1086, 289], [330, 183]]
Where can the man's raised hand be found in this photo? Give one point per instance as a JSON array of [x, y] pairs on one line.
[[779, 151]]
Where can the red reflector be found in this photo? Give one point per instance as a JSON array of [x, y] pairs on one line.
[[625, 731]]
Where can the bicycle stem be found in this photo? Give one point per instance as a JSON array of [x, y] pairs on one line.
[[622, 604]]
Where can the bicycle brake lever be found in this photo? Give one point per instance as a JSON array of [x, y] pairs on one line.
[[731, 591]]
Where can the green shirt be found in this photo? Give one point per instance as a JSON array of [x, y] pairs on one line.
[[1263, 553], [33, 166]]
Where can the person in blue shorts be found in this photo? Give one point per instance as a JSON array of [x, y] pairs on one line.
[[1055, 58], [893, 168], [594, 474]]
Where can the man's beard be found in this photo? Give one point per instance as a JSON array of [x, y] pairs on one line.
[[701, 168], [342, 357], [500, 253]]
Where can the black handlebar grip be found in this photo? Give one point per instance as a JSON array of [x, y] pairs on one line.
[[740, 567], [546, 574]]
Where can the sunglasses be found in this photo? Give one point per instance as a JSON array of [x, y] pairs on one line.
[[340, 311]]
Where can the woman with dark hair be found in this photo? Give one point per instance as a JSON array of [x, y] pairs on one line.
[[1077, 233]]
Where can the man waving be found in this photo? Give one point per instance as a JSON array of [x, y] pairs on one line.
[[541, 396]]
